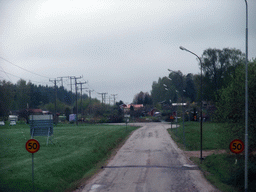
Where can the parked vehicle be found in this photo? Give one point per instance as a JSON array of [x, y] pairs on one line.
[[2, 123], [12, 123]]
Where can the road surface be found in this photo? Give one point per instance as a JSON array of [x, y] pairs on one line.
[[149, 161]]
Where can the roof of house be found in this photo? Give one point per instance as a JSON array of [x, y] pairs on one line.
[[35, 110], [135, 106]]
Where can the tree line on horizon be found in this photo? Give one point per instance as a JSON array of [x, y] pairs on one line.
[[223, 85], [24, 95]]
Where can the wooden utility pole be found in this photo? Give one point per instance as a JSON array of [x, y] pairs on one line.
[[55, 100], [61, 79], [103, 95], [71, 77], [76, 96], [81, 84], [114, 95], [90, 97]]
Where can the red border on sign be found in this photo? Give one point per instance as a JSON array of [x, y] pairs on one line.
[[231, 149], [34, 141]]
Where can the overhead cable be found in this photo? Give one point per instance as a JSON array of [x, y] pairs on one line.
[[23, 68], [23, 78]]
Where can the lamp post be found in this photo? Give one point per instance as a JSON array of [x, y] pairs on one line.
[[201, 113], [246, 103]]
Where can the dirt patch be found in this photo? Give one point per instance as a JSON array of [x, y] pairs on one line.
[[204, 153]]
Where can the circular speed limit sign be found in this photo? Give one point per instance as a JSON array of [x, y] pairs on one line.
[[236, 146], [32, 146]]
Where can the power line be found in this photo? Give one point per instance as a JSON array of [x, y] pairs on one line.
[[23, 68], [5, 73], [23, 78]]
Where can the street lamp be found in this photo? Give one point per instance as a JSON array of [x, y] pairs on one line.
[[246, 102], [201, 121]]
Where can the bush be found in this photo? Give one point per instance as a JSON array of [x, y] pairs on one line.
[[229, 169], [231, 109], [155, 119]]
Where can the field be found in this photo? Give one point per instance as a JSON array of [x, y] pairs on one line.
[[77, 152], [226, 171]]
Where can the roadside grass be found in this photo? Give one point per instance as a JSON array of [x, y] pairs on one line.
[[212, 139], [225, 171], [76, 154]]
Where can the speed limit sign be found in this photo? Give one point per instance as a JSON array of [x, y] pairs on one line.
[[32, 146], [236, 146]]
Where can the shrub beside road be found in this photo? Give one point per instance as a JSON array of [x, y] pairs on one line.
[[77, 152]]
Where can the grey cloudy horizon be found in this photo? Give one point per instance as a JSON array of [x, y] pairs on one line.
[[119, 47]]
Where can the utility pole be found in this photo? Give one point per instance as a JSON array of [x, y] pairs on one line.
[[61, 79], [55, 100], [81, 84], [103, 95], [76, 96], [90, 97], [71, 77], [114, 95]]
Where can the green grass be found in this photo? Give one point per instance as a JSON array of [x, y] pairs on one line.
[[76, 153], [211, 136], [226, 171], [222, 170]]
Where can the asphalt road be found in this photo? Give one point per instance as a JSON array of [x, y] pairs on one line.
[[149, 161]]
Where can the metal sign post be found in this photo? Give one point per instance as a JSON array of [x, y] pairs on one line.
[[236, 146], [126, 120], [32, 146]]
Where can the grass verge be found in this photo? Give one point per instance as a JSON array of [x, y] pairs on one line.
[[77, 150], [211, 136], [225, 171]]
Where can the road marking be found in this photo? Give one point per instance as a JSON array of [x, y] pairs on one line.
[[94, 187], [189, 166], [183, 167]]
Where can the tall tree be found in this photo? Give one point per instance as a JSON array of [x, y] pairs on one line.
[[23, 94], [6, 98], [190, 87], [231, 108], [218, 64], [142, 98], [35, 96]]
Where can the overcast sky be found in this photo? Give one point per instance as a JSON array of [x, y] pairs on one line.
[[119, 46]]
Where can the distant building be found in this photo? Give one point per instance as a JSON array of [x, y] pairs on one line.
[[136, 107], [35, 111]]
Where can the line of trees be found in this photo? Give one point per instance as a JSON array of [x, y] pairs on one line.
[[23, 95], [223, 87]]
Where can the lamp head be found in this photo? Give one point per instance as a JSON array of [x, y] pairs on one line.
[[182, 48]]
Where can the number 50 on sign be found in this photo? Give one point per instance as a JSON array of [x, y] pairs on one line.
[[236, 146], [32, 146]]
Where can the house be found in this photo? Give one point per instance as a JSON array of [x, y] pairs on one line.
[[35, 111]]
